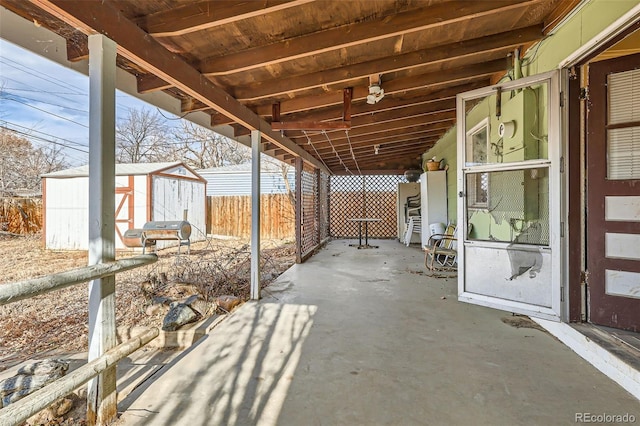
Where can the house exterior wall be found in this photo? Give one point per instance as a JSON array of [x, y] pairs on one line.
[[239, 183], [589, 21]]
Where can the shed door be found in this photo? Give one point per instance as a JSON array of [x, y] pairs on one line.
[[509, 205], [124, 211], [613, 193]]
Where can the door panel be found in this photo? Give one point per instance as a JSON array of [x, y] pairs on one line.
[[613, 193], [508, 168], [124, 214]]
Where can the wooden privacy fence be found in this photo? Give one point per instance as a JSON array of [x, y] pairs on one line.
[[21, 215], [231, 215]]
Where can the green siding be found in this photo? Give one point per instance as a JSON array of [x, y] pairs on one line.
[[593, 18]]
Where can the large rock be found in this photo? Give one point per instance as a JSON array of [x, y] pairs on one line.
[[30, 378], [200, 305], [227, 303], [47, 366], [179, 314]]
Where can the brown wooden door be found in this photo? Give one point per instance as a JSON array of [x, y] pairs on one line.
[[613, 193]]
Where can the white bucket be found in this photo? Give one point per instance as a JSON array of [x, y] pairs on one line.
[[436, 228]]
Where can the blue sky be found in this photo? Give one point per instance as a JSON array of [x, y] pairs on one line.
[[49, 102]]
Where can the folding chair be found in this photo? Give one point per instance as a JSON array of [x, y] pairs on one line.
[[441, 251]]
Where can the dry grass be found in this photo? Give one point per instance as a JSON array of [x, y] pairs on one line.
[[57, 322]]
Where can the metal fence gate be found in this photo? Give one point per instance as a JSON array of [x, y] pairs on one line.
[[372, 196]]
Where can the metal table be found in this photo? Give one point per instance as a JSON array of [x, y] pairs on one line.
[[366, 221]]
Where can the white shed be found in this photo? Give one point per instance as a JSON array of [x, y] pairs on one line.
[[144, 192]]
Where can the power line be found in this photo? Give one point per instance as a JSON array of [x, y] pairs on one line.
[[29, 136], [47, 103], [46, 134], [37, 74], [39, 90], [48, 112]]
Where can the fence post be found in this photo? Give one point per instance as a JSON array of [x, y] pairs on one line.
[[255, 214], [299, 167], [101, 393]]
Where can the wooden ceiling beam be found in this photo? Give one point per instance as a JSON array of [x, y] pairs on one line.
[[135, 45], [394, 128], [447, 77], [345, 123], [369, 148], [77, 50], [395, 125], [192, 105], [150, 83], [382, 138], [375, 172], [409, 151], [450, 52], [393, 101], [428, 115], [363, 124], [392, 107], [438, 111], [409, 134], [367, 145], [408, 156], [344, 36], [198, 16], [274, 152], [310, 125]]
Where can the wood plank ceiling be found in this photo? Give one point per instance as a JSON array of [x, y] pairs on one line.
[[310, 63]]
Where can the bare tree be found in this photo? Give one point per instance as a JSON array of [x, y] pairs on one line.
[[284, 169], [21, 164], [143, 136], [202, 148]]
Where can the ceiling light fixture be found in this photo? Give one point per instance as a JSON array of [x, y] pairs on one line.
[[376, 149], [376, 93]]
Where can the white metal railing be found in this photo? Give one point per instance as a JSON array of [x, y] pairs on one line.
[[21, 410]]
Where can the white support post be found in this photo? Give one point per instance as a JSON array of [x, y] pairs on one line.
[[101, 393], [255, 214]]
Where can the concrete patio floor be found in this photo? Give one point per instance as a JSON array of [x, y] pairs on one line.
[[364, 337]]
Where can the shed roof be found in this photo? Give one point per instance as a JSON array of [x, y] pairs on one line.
[[121, 170]]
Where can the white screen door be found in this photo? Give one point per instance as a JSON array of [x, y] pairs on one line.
[[509, 204]]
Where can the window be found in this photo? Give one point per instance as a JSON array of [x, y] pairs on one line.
[[477, 148]]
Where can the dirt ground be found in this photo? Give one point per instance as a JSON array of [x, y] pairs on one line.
[[56, 323]]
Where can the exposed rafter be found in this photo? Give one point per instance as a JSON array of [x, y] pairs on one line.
[[345, 123], [451, 76], [447, 53], [102, 17], [198, 16], [358, 33], [300, 55]]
